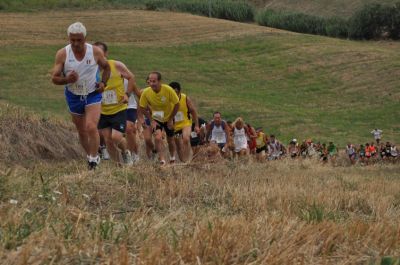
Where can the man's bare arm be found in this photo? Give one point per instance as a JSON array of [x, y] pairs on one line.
[[193, 111], [103, 63], [57, 75], [128, 75]]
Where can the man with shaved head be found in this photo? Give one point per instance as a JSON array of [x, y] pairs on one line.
[[76, 67]]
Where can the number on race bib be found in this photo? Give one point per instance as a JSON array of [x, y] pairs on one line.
[[158, 115], [109, 97], [179, 116], [79, 88]]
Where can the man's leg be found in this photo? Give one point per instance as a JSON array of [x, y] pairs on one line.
[[131, 137], [171, 147], [179, 147], [92, 115], [158, 139], [148, 135], [112, 150], [186, 143], [80, 124]]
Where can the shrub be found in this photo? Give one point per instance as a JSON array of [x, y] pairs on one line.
[[225, 9], [298, 22], [376, 21]]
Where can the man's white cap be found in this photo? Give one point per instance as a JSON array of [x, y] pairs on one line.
[[76, 28]]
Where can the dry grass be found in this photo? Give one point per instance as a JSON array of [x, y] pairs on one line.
[[144, 28], [223, 213], [26, 137]]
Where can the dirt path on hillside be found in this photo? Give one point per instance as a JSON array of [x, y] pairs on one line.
[[145, 28]]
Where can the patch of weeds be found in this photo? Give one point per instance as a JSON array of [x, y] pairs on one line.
[[106, 229], [316, 213], [13, 234]]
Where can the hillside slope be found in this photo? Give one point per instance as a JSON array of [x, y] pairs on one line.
[[294, 85], [26, 137]]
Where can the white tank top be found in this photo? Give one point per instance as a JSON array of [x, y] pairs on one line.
[[239, 137], [87, 70], [132, 104], [218, 134]]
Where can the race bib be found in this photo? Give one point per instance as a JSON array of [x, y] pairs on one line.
[[179, 116], [109, 97], [220, 138], [158, 115], [259, 141], [193, 134], [79, 88]]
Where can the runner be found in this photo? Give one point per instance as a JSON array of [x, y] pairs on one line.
[[240, 137], [76, 67], [163, 103], [251, 136], [112, 124], [198, 139], [351, 152], [147, 130], [377, 133], [183, 123], [261, 144], [131, 128], [293, 149], [218, 133], [274, 148]]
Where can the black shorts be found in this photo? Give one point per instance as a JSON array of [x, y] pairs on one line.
[[115, 121], [164, 126], [131, 115], [259, 150], [178, 133]]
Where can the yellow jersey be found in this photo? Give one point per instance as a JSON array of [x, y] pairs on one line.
[[182, 117], [161, 104], [113, 92], [260, 140]]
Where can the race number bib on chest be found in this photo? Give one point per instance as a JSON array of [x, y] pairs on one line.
[[79, 88], [179, 116], [158, 115], [220, 137], [110, 97]]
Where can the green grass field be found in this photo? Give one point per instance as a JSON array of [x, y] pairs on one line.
[[293, 85]]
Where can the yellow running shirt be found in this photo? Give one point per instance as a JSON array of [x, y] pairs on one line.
[[260, 140], [161, 104], [113, 92], [182, 117]]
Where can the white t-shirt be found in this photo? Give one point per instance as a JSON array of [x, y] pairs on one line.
[[218, 134], [377, 133], [239, 139], [86, 69], [132, 103]]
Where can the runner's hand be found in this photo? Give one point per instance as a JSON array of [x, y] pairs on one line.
[[124, 99], [100, 87], [197, 129], [72, 77]]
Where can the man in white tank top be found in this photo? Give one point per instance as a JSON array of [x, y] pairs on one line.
[[76, 66]]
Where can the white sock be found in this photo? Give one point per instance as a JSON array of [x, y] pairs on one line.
[[94, 158]]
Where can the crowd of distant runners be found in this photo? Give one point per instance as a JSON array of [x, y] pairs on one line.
[[114, 118]]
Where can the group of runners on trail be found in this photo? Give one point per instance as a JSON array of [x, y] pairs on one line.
[[110, 112]]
